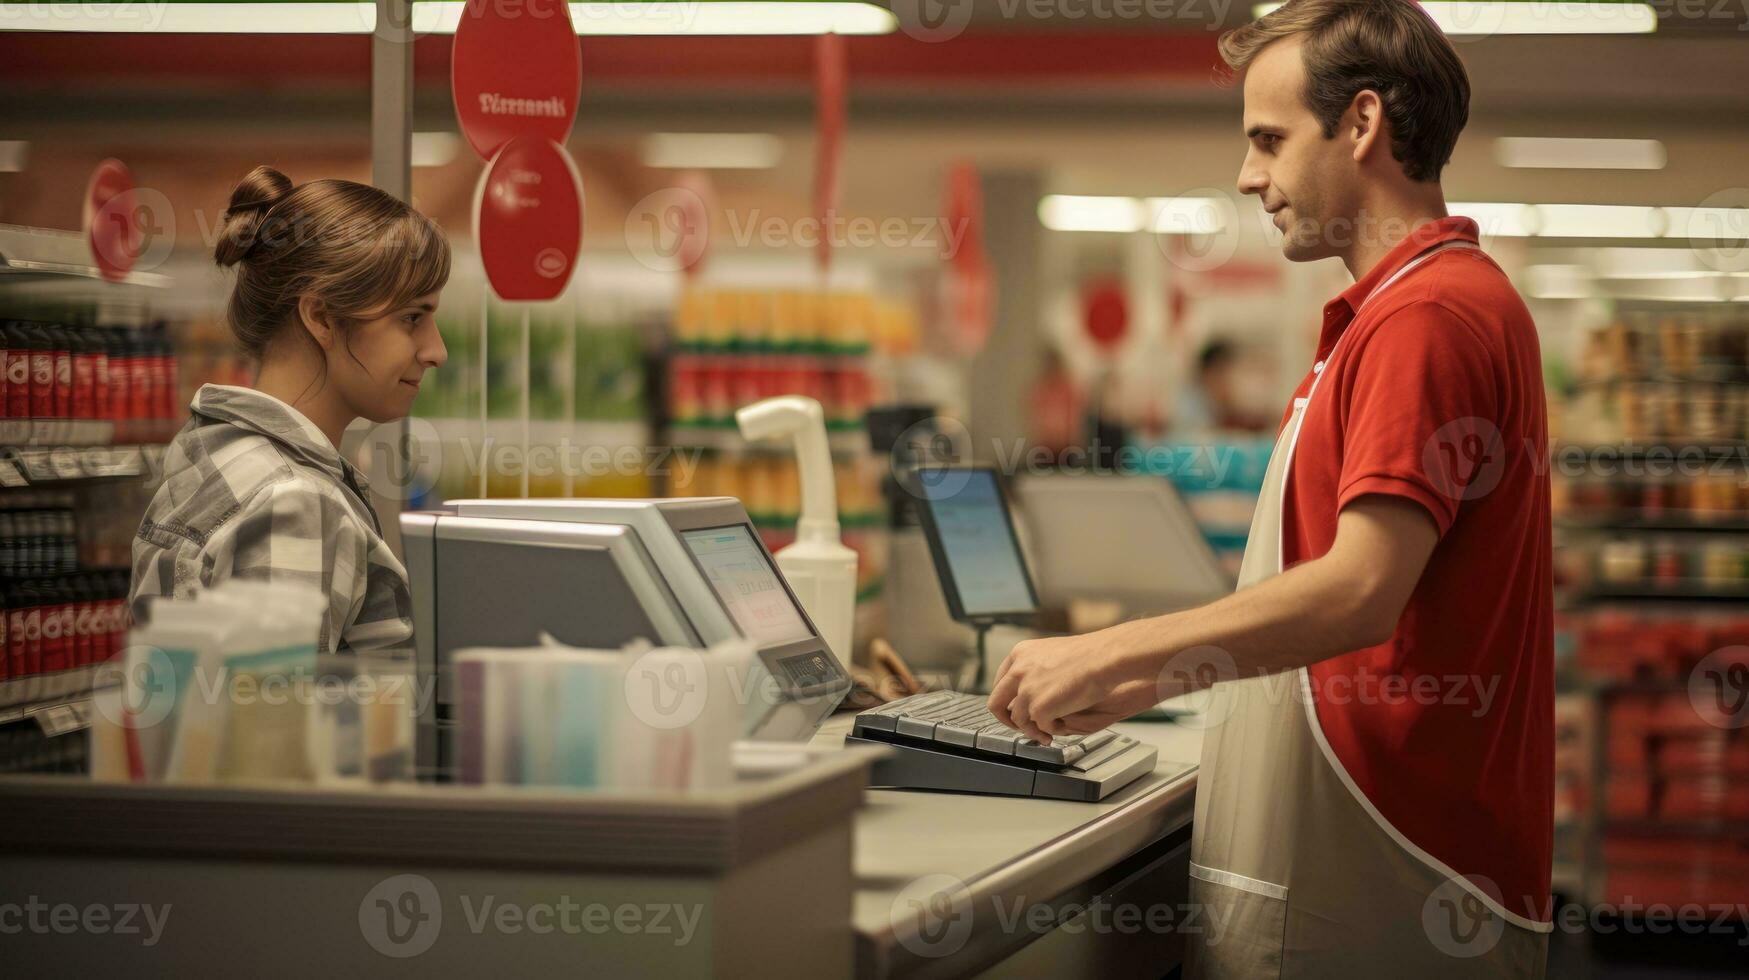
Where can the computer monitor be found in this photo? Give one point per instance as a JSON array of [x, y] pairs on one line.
[[600, 574], [1109, 536], [973, 543]]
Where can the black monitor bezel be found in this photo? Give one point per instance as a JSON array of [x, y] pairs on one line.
[[910, 480]]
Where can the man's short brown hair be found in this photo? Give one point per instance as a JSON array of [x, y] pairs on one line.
[[1389, 46]]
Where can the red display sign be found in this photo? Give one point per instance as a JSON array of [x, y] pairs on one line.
[[515, 69], [1105, 312], [969, 283], [969, 305], [528, 219], [829, 131], [111, 225], [693, 233]]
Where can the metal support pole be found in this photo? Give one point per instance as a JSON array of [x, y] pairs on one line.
[[391, 168]]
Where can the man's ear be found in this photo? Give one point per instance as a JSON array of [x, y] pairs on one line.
[[314, 320], [1365, 121]]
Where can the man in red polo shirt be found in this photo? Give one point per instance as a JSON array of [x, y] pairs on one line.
[[1376, 789]]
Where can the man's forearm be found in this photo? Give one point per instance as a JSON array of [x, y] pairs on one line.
[[1309, 613]]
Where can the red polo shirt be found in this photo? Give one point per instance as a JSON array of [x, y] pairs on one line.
[[1435, 395]]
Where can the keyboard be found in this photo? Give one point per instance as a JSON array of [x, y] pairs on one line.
[[949, 740]]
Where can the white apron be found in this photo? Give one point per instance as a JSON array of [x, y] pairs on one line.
[[1297, 875]]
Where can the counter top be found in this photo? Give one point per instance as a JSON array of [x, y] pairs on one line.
[[952, 851]]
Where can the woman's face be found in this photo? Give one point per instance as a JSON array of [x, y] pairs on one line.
[[378, 364]]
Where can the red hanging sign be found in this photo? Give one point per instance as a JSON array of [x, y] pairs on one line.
[[829, 131], [1105, 313], [528, 219], [693, 219], [111, 224], [968, 282], [515, 68]]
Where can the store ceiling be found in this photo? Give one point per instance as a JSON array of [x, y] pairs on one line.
[[1124, 107]]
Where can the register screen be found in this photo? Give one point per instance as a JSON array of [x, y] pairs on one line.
[[981, 550], [749, 587]]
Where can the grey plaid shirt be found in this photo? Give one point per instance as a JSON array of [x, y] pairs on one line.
[[253, 489]]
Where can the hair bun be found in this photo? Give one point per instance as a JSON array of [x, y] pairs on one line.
[[255, 194]]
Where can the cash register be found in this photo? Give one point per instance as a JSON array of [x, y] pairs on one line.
[[602, 574], [949, 740]]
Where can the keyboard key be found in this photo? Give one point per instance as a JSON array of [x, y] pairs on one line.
[[999, 739], [1111, 748], [1030, 749]]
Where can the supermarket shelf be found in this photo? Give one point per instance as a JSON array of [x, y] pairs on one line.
[[22, 697], [1627, 521], [30, 467], [1685, 449], [1654, 827], [42, 253], [816, 351], [1659, 686], [1685, 592], [722, 438], [544, 432], [1717, 373]]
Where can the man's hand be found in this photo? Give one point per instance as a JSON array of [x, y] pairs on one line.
[[1044, 683], [1348, 599]]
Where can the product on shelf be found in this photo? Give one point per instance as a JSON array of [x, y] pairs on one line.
[[71, 381], [58, 623]]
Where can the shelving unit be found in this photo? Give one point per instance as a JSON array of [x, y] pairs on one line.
[[1652, 502], [70, 494]]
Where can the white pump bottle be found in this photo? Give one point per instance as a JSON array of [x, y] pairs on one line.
[[818, 566]]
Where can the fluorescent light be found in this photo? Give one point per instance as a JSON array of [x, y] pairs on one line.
[[1579, 154], [1189, 215], [1082, 212], [12, 155], [435, 149], [1600, 221], [191, 18], [731, 17], [655, 17], [1499, 220], [1486, 17], [719, 151], [1564, 220], [1725, 225]]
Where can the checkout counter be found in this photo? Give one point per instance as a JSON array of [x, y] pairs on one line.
[[789, 875]]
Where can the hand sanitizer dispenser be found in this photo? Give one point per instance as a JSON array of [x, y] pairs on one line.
[[818, 567]]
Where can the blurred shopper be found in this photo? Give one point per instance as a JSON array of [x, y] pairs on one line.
[[1376, 791], [335, 297], [1217, 402]]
